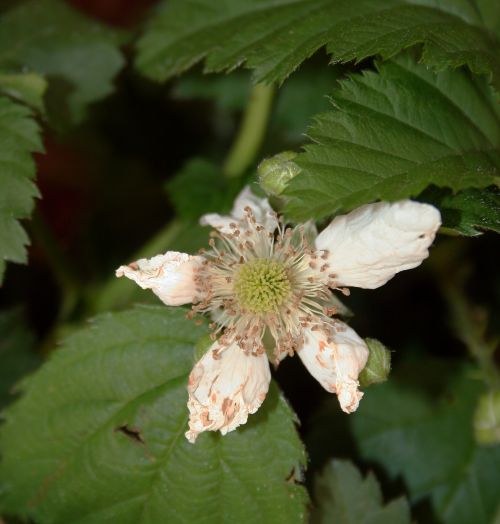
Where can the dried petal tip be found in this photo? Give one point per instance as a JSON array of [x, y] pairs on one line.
[[169, 276], [336, 362], [224, 387]]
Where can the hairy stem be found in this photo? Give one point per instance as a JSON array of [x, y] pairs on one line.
[[251, 133]]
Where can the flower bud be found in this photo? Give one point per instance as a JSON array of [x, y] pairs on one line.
[[378, 365], [277, 171], [487, 419]]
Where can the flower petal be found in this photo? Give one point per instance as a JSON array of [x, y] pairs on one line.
[[260, 207], [225, 386], [169, 276], [336, 364], [368, 246]]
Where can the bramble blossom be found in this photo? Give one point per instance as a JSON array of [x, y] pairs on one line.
[[261, 280]]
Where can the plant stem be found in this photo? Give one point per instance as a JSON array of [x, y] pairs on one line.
[[58, 263], [470, 326], [251, 132]]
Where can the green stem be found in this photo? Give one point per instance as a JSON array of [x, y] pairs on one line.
[[470, 326], [58, 263], [251, 133], [119, 292]]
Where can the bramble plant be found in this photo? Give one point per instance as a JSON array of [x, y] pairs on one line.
[[247, 166]]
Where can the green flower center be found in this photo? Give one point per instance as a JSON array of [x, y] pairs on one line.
[[262, 285]]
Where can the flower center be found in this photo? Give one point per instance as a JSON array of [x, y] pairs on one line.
[[262, 285]]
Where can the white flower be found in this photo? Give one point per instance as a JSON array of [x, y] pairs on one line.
[[224, 387], [169, 276], [262, 278]]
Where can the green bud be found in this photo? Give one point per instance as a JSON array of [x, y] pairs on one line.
[[202, 346], [277, 171], [378, 367], [487, 419]]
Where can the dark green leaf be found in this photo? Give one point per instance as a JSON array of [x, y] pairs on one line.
[[201, 188], [425, 436], [468, 212], [394, 132], [79, 56], [28, 88], [274, 37], [343, 496], [19, 137], [98, 437], [16, 355]]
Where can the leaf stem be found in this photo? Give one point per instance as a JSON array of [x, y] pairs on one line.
[[251, 132]]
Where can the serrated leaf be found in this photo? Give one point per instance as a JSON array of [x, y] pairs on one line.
[[393, 132], [78, 56], [28, 88], [424, 435], [469, 212], [98, 437], [16, 352], [343, 496], [19, 137], [274, 37]]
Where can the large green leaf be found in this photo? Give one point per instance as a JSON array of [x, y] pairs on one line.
[[393, 132], [19, 137], [79, 56], [343, 496], [16, 352], [98, 437], [469, 212], [424, 435], [274, 37]]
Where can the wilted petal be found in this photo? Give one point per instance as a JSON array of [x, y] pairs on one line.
[[225, 386], [170, 276], [368, 246], [336, 364], [260, 207]]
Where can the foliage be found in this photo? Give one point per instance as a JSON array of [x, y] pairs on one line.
[[381, 140], [345, 497], [16, 352], [110, 412], [19, 137], [274, 37], [414, 436], [406, 108], [48, 38]]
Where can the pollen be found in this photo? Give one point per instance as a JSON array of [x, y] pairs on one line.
[[262, 285]]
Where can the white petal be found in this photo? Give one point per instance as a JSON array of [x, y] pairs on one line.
[[260, 207], [225, 386], [170, 276], [337, 364], [371, 244]]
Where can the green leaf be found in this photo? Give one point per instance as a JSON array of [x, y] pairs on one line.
[[16, 355], [425, 436], [78, 56], [393, 132], [28, 88], [98, 437], [343, 496], [469, 212], [274, 37], [201, 188], [19, 137]]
